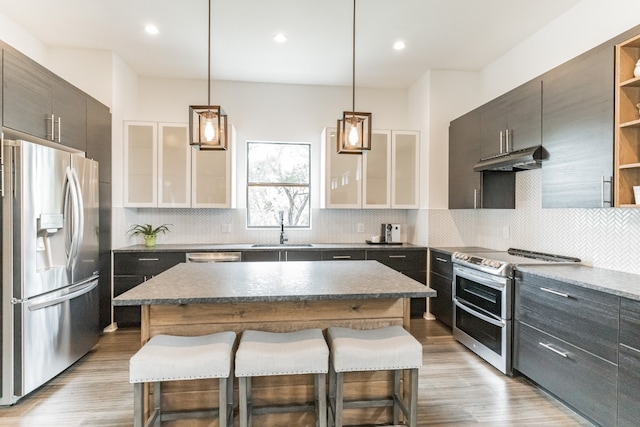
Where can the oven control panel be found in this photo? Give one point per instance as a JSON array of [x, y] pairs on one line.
[[480, 261]]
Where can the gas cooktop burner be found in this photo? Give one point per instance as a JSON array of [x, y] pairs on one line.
[[503, 263]]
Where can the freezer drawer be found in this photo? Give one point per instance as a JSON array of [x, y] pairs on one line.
[[52, 332]]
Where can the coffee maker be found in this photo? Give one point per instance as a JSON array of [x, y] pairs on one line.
[[390, 233]]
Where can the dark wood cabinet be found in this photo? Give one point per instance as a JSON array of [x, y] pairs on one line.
[[464, 152], [133, 268], [579, 378], [99, 137], [302, 255], [577, 131], [345, 255], [256, 256], [440, 278], [37, 102], [565, 340], [469, 189], [412, 263], [512, 121], [629, 364]]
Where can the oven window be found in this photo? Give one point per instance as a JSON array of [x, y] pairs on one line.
[[484, 297], [487, 334]]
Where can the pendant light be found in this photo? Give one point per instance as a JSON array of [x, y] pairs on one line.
[[208, 123], [354, 130]]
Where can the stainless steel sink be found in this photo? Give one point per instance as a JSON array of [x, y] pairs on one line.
[[284, 245]]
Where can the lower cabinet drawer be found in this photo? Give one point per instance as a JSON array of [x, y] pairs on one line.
[[145, 263], [629, 387], [346, 255], [440, 263], [400, 260], [442, 305], [584, 381]]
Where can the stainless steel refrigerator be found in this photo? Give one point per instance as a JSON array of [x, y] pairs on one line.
[[50, 264]]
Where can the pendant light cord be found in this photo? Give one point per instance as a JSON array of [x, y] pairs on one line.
[[209, 59], [353, 64]]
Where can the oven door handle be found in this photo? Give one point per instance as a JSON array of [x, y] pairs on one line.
[[497, 283], [481, 316]]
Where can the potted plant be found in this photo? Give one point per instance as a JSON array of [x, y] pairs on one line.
[[148, 232]]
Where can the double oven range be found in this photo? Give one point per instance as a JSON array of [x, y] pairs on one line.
[[483, 299]]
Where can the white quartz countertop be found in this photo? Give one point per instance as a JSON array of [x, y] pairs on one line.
[[193, 283]]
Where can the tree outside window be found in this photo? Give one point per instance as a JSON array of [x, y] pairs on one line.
[[278, 179]]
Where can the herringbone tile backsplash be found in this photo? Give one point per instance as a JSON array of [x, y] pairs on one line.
[[606, 238]]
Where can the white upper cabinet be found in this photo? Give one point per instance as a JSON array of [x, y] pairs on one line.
[[140, 164], [376, 186], [387, 176], [174, 158], [163, 170], [342, 175], [405, 169]]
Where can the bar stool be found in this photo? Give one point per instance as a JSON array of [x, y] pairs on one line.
[[173, 358], [386, 349], [287, 353]]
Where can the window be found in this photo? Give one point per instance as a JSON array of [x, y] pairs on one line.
[[278, 180]]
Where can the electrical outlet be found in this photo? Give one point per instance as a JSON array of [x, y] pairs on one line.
[[225, 228], [360, 227]]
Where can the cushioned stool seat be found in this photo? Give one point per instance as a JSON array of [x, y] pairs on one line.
[[385, 349], [173, 358], [288, 353]]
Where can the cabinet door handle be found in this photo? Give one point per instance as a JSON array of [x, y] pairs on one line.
[[148, 259], [558, 352], [602, 200], [441, 259], [397, 256], [506, 140], [501, 140], [59, 129], [342, 257], [475, 199], [551, 291], [52, 130]]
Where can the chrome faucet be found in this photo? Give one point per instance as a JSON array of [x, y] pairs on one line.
[[282, 235]]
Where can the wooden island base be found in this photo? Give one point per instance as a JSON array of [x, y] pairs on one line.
[[205, 318]]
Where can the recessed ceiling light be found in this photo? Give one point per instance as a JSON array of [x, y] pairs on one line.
[[280, 37], [399, 45], [151, 29]]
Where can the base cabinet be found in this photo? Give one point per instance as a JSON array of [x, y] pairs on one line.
[[132, 268], [629, 364], [440, 278], [566, 341]]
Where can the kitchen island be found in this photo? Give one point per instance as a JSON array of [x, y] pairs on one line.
[[196, 299]]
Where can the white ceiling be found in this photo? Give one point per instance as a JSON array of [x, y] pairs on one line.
[[440, 34]]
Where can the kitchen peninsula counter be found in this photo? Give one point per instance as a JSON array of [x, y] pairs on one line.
[[197, 299]]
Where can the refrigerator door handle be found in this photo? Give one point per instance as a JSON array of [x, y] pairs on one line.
[[80, 200], [81, 288], [71, 210]]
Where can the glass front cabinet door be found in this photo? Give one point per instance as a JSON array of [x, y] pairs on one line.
[[342, 175], [140, 164], [405, 169]]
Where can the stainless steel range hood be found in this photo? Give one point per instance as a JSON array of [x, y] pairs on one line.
[[525, 159]]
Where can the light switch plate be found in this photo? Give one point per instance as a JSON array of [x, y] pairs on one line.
[[360, 227]]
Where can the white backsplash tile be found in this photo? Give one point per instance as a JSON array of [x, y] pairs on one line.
[[606, 238]]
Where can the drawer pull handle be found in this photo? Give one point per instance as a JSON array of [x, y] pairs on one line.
[[548, 347], [342, 257], [397, 256], [148, 259], [441, 259], [551, 291]]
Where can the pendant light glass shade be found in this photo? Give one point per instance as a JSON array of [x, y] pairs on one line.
[[208, 127], [354, 130], [208, 123], [354, 133]]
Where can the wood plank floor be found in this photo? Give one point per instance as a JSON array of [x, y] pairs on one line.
[[456, 389]]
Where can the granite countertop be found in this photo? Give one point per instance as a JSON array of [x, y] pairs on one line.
[[610, 281], [190, 247], [192, 283]]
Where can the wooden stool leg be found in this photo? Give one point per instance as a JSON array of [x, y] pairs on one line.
[[222, 402], [321, 399], [138, 404], [397, 394], [339, 398], [157, 403], [413, 403]]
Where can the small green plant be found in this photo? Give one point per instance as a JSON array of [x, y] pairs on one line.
[[148, 232], [147, 229]]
